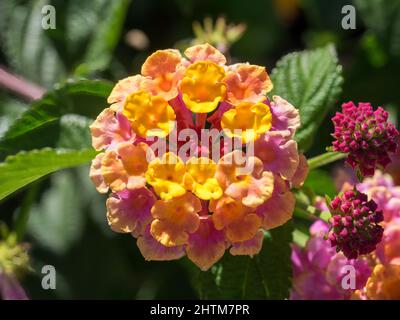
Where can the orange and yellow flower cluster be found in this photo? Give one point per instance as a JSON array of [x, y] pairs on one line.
[[196, 205]]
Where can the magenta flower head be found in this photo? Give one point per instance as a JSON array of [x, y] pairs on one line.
[[365, 135], [355, 228]]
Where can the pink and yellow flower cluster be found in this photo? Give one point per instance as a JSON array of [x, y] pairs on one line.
[[196, 206]]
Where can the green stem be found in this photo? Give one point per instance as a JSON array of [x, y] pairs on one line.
[[324, 159], [304, 209], [23, 214]]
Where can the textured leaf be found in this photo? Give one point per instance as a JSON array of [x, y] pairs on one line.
[[86, 34], [26, 44], [10, 109], [265, 276], [82, 13], [311, 81], [99, 52], [74, 132], [25, 167], [39, 126]]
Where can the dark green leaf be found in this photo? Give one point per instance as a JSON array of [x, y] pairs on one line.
[[39, 126], [10, 109], [265, 276], [26, 45], [86, 34], [311, 81]]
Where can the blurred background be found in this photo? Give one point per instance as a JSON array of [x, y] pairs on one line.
[[67, 227]]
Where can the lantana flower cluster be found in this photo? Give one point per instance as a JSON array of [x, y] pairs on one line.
[[181, 200], [355, 224], [365, 135], [318, 270]]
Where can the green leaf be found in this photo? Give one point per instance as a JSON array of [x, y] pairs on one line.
[[311, 81], [74, 132], [265, 276], [382, 18], [100, 50], [39, 126], [25, 167], [10, 109], [26, 44], [86, 35], [56, 222]]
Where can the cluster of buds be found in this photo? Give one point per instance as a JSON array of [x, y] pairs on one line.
[[219, 34], [355, 228], [319, 270], [365, 135]]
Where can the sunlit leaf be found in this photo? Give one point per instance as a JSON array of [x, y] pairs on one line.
[[25, 167], [311, 81]]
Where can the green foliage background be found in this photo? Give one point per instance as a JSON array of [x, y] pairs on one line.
[[62, 215]]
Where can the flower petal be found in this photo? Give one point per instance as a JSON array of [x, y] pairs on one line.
[[278, 156], [166, 175], [285, 118], [163, 70], [206, 245], [109, 129], [96, 175], [126, 167], [205, 52], [238, 221], [124, 88], [278, 209], [249, 247], [247, 83], [202, 87], [247, 120], [150, 116], [301, 172], [200, 178], [175, 219], [247, 181], [151, 249], [129, 210]]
